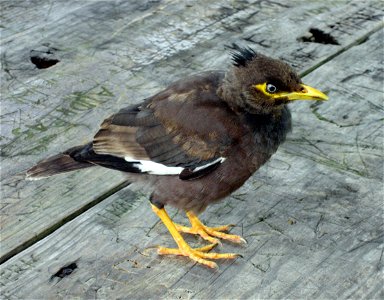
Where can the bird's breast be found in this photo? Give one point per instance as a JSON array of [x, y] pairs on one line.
[[268, 130]]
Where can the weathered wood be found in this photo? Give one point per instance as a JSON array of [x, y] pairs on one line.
[[313, 228], [312, 216], [45, 111]]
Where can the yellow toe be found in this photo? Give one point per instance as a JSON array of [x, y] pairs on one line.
[[210, 234], [198, 255]]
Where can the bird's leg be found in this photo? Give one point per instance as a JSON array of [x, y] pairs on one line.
[[208, 233], [199, 254]]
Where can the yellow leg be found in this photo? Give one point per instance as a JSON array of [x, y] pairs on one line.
[[199, 255], [208, 233]]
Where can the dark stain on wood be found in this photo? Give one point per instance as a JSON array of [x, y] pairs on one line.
[[43, 57], [64, 271], [319, 36]]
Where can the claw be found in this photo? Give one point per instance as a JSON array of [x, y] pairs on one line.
[[199, 255]]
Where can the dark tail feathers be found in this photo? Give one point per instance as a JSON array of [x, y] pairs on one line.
[[57, 164], [76, 158]]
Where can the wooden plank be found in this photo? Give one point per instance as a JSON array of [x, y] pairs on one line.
[[313, 228], [103, 66], [312, 216], [76, 102]]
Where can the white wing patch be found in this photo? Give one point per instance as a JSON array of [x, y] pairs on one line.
[[220, 159], [150, 167], [154, 168]]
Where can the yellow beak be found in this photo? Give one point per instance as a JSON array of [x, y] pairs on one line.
[[307, 93]]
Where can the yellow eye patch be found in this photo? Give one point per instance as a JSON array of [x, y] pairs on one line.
[[267, 89], [306, 93]]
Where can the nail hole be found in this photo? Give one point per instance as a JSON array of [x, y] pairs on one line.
[[318, 36], [43, 57], [64, 271]]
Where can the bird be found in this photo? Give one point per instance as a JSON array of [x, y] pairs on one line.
[[195, 142]]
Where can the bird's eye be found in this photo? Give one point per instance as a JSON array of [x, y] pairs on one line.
[[271, 88]]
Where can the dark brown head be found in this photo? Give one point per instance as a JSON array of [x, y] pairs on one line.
[[260, 84]]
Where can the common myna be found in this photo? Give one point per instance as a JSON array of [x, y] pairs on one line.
[[196, 142]]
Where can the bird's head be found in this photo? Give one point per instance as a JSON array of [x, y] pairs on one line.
[[258, 83]]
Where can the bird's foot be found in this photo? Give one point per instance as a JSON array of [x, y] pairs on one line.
[[209, 234], [198, 255]]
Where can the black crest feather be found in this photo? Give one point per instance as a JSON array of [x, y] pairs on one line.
[[242, 56]]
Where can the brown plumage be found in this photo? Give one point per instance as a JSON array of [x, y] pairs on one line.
[[196, 141]]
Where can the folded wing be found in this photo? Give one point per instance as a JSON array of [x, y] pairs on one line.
[[170, 133]]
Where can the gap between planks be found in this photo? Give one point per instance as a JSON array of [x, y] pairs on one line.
[[62, 222], [124, 184], [357, 42]]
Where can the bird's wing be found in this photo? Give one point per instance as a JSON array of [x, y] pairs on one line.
[[183, 130]]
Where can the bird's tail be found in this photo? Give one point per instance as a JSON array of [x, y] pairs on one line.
[[60, 163]]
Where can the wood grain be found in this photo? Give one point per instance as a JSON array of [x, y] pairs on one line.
[[312, 216]]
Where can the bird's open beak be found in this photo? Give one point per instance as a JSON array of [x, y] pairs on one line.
[[307, 93]]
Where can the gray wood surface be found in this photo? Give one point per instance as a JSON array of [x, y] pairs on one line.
[[312, 216]]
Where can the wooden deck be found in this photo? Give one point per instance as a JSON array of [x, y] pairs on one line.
[[313, 216]]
